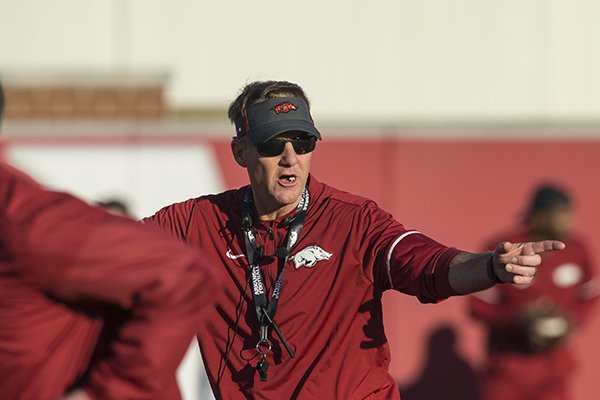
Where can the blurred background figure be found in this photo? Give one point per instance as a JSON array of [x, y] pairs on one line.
[[530, 327], [115, 206]]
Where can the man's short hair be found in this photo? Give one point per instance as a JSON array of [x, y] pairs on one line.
[[114, 204], [256, 92]]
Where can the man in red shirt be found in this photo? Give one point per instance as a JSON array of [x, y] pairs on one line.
[[92, 306], [305, 265], [530, 326]]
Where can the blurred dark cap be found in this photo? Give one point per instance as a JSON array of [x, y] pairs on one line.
[[547, 197]]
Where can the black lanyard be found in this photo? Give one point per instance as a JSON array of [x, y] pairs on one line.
[[265, 310]]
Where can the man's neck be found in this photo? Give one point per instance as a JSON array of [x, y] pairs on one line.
[[271, 214], [269, 210]]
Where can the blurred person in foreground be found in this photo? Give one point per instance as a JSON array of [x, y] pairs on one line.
[[192, 377], [92, 306], [317, 331], [530, 325]]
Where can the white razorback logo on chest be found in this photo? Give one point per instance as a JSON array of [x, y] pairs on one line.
[[309, 256]]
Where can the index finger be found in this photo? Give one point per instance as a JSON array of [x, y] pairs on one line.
[[543, 245]]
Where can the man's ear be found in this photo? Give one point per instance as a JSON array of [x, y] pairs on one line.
[[237, 149]]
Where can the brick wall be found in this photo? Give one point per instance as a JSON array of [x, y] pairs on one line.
[[63, 101]]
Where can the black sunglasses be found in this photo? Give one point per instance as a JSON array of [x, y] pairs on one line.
[[274, 147]]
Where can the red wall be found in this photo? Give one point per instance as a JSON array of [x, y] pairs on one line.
[[459, 192]]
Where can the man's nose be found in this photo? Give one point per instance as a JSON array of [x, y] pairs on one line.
[[289, 156]]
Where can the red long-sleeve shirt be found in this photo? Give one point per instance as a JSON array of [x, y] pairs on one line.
[[91, 300]]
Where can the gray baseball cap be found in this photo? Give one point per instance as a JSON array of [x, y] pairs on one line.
[[272, 117]]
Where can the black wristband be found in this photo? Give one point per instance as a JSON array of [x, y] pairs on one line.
[[491, 271]]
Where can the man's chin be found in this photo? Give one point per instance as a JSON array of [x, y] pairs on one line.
[[286, 199]]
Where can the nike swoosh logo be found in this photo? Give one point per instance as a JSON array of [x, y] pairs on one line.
[[229, 254]]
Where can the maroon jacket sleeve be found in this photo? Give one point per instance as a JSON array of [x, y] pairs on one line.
[[405, 260], [78, 253]]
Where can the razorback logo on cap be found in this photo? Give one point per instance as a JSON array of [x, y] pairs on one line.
[[284, 107]]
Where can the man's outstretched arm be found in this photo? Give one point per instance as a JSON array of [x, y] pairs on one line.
[[508, 263]]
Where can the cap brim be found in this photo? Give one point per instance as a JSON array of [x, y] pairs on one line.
[[269, 130]]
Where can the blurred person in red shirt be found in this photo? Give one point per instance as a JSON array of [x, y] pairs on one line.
[[530, 326], [92, 305]]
